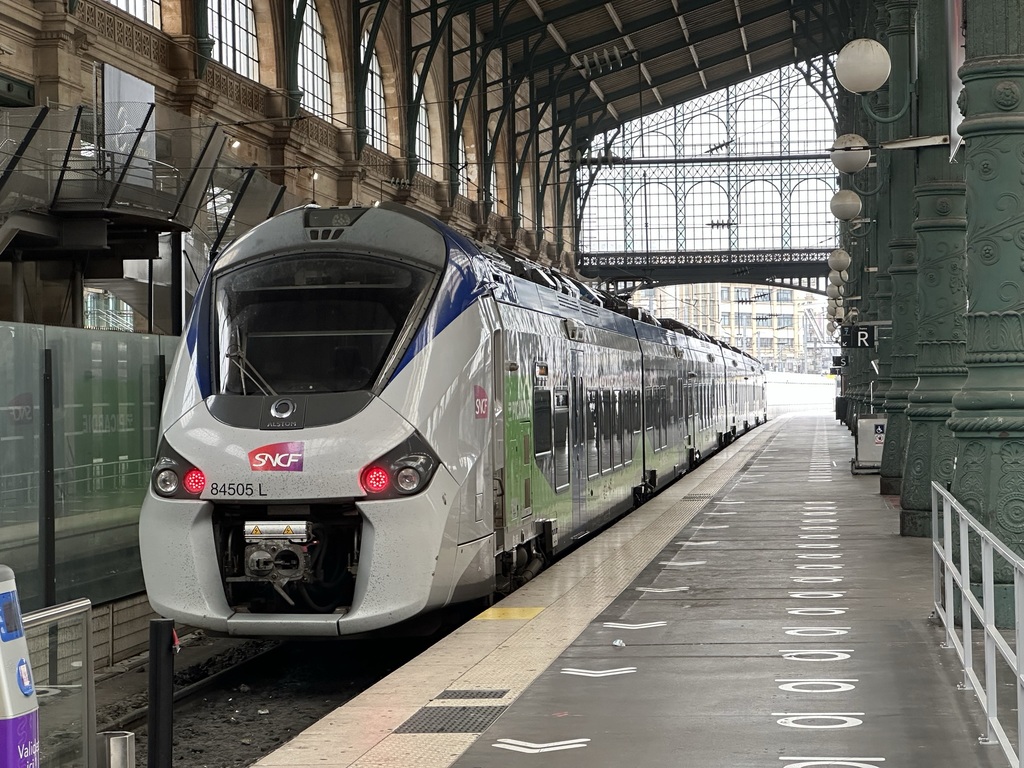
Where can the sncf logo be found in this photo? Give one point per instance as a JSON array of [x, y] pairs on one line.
[[277, 457]]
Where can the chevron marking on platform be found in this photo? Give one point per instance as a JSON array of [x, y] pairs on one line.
[[532, 749], [680, 565], [648, 625], [598, 672]]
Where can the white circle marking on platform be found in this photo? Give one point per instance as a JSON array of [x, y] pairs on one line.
[[816, 611], [840, 719], [823, 685]]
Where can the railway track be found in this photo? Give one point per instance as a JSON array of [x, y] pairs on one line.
[[241, 707]]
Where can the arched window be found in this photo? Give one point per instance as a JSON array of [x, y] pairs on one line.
[[376, 117], [706, 217], [144, 10], [604, 226], [233, 29], [493, 185], [314, 76], [760, 213], [422, 130], [813, 225], [461, 171], [654, 218]]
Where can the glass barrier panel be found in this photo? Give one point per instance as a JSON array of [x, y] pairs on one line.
[[20, 428], [61, 663], [106, 412]]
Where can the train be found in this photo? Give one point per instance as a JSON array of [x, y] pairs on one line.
[[371, 417]]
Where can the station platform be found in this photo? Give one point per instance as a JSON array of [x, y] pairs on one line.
[[762, 611]]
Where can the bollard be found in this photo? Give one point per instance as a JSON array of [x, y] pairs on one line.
[[116, 749], [161, 693], [19, 711]]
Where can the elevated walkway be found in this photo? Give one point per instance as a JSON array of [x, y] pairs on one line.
[[763, 611]]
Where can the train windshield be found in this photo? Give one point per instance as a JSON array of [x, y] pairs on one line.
[[312, 324]]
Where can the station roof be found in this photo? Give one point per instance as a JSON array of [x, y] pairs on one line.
[[606, 62]]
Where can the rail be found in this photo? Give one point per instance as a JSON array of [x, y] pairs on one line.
[[60, 648], [949, 576]]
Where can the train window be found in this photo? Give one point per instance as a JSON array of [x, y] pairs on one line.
[[616, 430], [316, 324], [593, 466], [631, 422], [561, 445], [604, 430], [541, 421], [661, 415]]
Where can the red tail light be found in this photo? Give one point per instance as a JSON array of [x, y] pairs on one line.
[[375, 479], [194, 481]]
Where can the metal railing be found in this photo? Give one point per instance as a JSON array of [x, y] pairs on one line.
[[60, 648], [951, 572]]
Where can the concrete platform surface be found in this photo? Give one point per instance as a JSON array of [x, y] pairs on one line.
[[764, 611]]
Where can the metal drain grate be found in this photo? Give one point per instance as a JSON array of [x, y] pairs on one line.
[[454, 694], [451, 720]]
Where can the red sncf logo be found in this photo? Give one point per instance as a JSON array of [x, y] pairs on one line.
[[276, 457]]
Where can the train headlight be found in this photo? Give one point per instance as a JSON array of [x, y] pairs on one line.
[[401, 472], [408, 480], [166, 482]]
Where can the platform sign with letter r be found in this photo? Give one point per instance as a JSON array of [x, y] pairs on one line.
[[857, 336]]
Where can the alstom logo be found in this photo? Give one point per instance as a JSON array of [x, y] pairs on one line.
[[277, 457]]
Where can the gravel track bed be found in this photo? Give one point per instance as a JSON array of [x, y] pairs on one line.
[[249, 714]]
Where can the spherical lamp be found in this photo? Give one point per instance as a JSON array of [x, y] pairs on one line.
[[850, 153], [833, 291], [839, 260], [845, 204], [863, 66]]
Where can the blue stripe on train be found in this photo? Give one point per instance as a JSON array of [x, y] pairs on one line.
[[460, 287]]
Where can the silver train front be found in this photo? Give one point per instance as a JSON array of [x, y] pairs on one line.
[[285, 538]]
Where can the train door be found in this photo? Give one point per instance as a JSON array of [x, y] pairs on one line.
[[578, 439]]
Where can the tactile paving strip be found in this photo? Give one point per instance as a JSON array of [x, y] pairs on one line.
[[451, 720]]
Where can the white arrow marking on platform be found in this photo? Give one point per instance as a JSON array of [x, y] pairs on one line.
[[748, 474], [712, 527], [680, 565], [719, 513], [730, 502], [648, 625], [532, 749], [598, 672], [697, 543], [662, 589]]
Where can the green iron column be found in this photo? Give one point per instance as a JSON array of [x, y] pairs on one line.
[[902, 251], [988, 416], [941, 286], [880, 309]]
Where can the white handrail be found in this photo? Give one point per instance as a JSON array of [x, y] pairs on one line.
[[948, 574]]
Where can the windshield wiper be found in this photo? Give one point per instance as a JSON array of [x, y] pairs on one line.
[[248, 370]]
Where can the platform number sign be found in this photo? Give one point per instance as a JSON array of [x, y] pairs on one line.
[[840, 361], [857, 336]]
